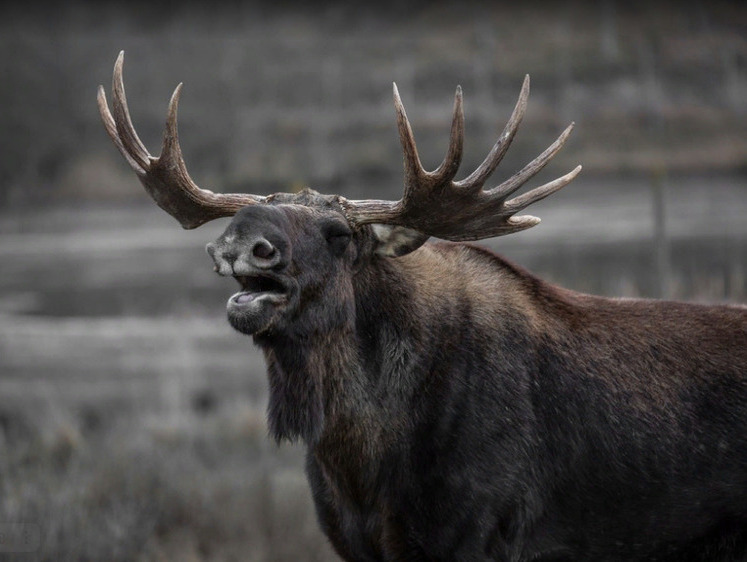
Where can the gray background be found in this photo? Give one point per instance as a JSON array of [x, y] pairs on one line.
[[131, 416]]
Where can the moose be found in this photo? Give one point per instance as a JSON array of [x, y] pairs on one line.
[[453, 406]]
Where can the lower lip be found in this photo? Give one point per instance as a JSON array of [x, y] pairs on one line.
[[249, 299], [244, 298]]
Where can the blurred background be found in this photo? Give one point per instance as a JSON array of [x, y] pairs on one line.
[[131, 416]]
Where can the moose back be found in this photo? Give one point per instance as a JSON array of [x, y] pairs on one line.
[[454, 406]]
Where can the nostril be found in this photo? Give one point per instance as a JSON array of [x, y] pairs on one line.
[[263, 250]]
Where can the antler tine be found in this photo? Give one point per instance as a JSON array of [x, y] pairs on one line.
[[530, 170], [122, 119], [165, 178], [538, 193], [476, 179], [111, 129], [413, 167], [450, 165], [171, 150]]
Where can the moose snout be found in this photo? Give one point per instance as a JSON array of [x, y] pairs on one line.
[[244, 257]]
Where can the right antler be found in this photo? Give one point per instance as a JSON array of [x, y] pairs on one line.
[[436, 205], [165, 178]]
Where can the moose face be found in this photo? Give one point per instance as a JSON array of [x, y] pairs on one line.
[[293, 258]]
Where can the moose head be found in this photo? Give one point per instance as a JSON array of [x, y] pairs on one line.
[[294, 254]]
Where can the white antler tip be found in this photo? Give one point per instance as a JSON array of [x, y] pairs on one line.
[[120, 60], [525, 221], [570, 176]]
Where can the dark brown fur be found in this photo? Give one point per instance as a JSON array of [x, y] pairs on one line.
[[455, 407]]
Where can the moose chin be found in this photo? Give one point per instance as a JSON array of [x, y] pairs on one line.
[[454, 406]]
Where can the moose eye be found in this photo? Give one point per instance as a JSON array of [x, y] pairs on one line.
[[337, 236]]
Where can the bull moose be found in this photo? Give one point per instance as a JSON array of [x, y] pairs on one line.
[[454, 406]]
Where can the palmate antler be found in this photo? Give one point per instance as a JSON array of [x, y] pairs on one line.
[[432, 202], [462, 210]]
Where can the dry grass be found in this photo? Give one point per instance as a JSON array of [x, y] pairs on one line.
[[211, 489]]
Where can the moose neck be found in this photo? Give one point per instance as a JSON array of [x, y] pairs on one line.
[[359, 373], [301, 372], [339, 379]]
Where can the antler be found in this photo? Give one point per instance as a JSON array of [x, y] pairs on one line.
[[165, 178], [434, 204]]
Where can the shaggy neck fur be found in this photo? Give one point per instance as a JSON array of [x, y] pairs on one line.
[[340, 376], [303, 375]]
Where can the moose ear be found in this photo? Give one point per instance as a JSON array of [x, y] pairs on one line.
[[396, 241]]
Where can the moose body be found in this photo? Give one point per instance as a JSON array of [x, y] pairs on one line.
[[455, 407]]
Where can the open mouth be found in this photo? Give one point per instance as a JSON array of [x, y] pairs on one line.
[[263, 287], [260, 302]]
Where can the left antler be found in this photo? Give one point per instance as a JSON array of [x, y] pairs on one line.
[[434, 204], [165, 178]]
